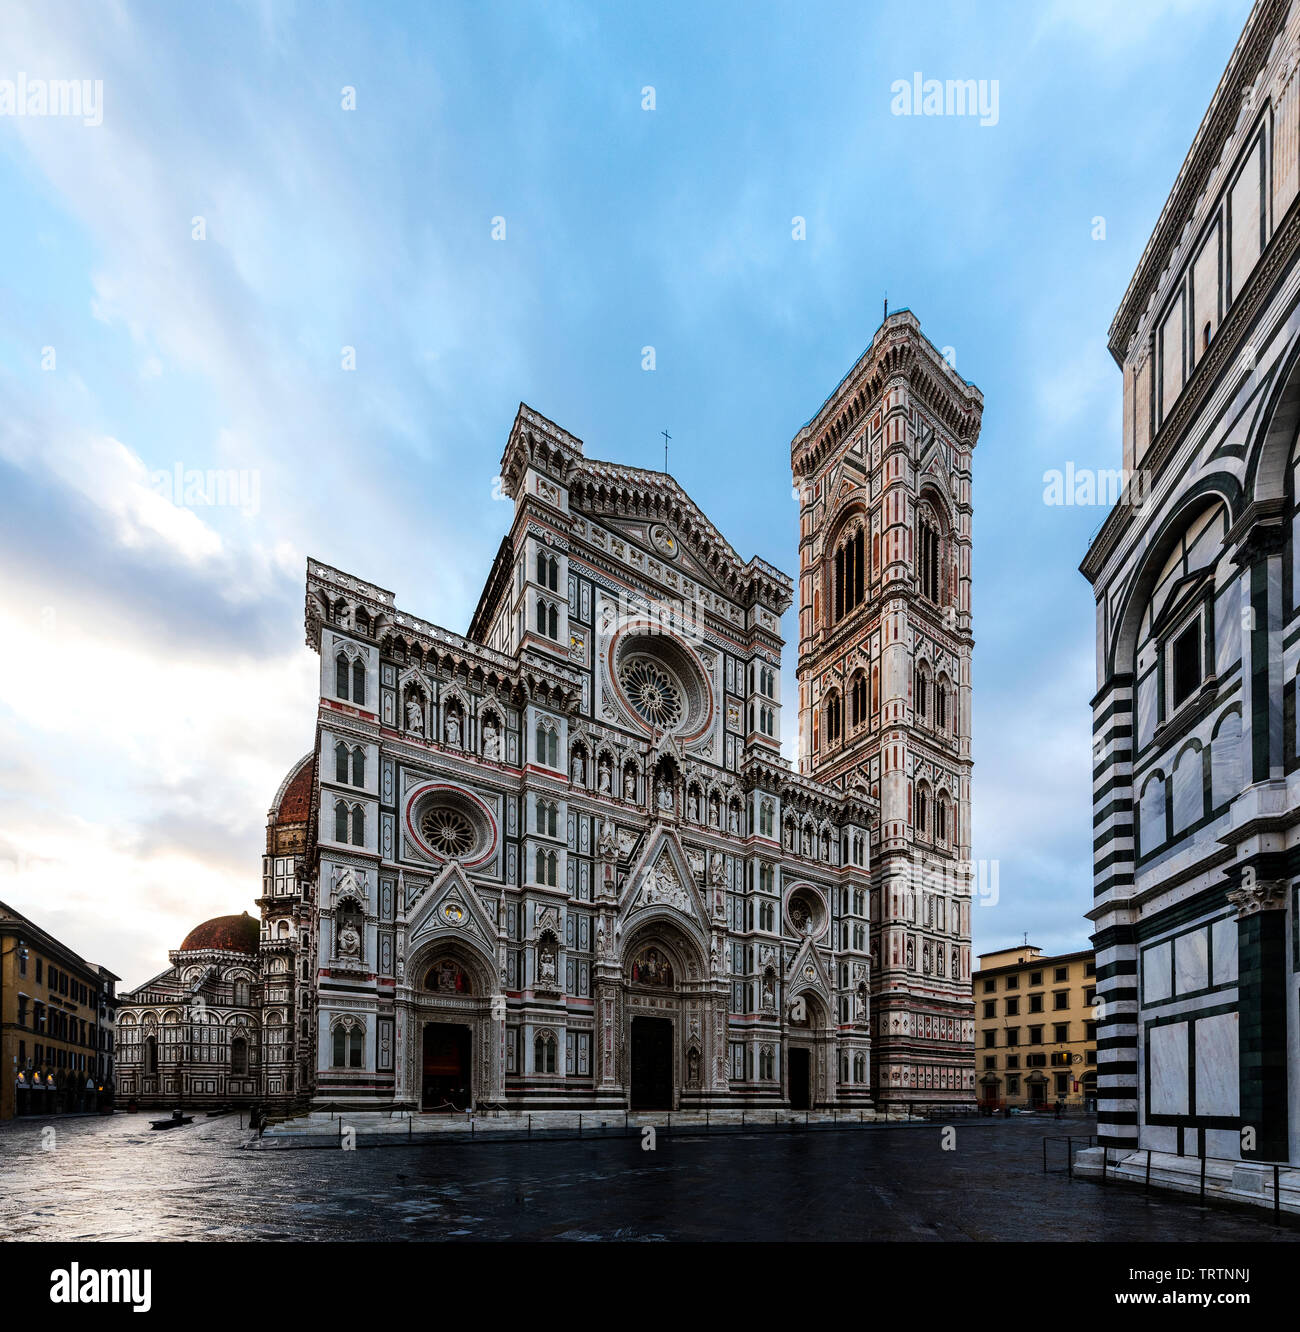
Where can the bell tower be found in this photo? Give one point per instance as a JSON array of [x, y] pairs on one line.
[[883, 472]]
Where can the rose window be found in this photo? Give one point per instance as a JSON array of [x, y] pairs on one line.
[[447, 831], [653, 691]]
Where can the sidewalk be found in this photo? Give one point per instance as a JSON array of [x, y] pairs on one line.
[[1222, 1181]]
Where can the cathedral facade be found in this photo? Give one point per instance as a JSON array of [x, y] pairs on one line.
[[558, 861]]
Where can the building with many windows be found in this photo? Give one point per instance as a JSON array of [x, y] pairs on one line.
[[57, 1020], [1035, 1029], [1196, 765]]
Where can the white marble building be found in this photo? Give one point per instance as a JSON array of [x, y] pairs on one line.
[[1196, 766]]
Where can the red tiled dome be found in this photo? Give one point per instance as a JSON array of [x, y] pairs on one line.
[[293, 800], [238, 934]]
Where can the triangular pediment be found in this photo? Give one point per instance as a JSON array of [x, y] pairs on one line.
[[807, 972], [452, 908], [661, 883]]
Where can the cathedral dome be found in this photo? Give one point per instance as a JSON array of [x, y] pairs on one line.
[[292, 802], [236, 934]]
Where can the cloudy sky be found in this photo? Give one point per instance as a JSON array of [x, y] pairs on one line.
[[179, 282]]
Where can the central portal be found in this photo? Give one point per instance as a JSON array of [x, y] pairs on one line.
[[800, 1078], [447, 1081], [652, 1063]]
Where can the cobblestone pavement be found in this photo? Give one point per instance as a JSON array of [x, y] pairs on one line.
[[112, 1178]]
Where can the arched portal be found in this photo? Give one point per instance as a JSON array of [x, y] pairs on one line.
[[449, 1037], [809, 1062], [668, 1018]]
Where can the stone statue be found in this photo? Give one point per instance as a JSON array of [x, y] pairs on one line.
[[349, 941], [666, 797], [453, 730], [629, 785], [578, 770], [733, 820], [695, 806], [491, 740], [607, 844], [546, 965], [769, 993], [414, 715], [603, 783], [715, 961], [717, 870]]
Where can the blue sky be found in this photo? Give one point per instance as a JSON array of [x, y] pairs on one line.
[[156, 686]]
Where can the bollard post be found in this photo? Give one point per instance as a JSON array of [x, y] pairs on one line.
[[530, 1126], [1202, 1167], [1148, 1169], [580, 1122], [1277, 1196]]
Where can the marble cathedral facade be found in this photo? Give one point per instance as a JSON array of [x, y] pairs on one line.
[[1196, 572], [560, 859]]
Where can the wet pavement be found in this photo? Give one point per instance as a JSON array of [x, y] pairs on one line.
[[115, 1179]]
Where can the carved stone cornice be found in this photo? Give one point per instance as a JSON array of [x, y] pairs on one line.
[[899, 350]]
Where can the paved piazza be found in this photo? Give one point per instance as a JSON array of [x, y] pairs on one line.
[[114, 1179]]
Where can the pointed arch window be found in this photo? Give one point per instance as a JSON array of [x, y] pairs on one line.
[[359, 682], [340, 821], [544, 1052], [848, 575], [340, 762], [358, 766], [928, 556], [941, 704], [859, 699], [341, 675], [358, 826], [832, 719]]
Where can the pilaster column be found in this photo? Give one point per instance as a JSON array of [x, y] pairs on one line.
[[1262, 1009]]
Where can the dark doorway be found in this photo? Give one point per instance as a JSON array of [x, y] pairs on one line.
[[800, 1078], [1037, 1093], [446, 1067], [652, 1063]]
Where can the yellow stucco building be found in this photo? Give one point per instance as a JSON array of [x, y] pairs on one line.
[[56, 1023], [1035, 1029]]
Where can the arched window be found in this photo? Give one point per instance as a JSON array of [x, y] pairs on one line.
[[552, 623], [358, 766], [848, 574], [548, 571], [544, 1052], [359, 682], [541, 616], [859, 695], [358, 826], [239, 1057], [929, 547], [348, 1046], [340, 821], [921, 688], [340, 762], [341, 675], [941, 703], [941, 819], [922, 807], [150, 1055], [832, 719], [241, 994]]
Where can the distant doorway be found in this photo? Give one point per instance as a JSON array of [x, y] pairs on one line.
[[1037, 1092], [652, 1063], [446, 1067], [800, 1078]]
